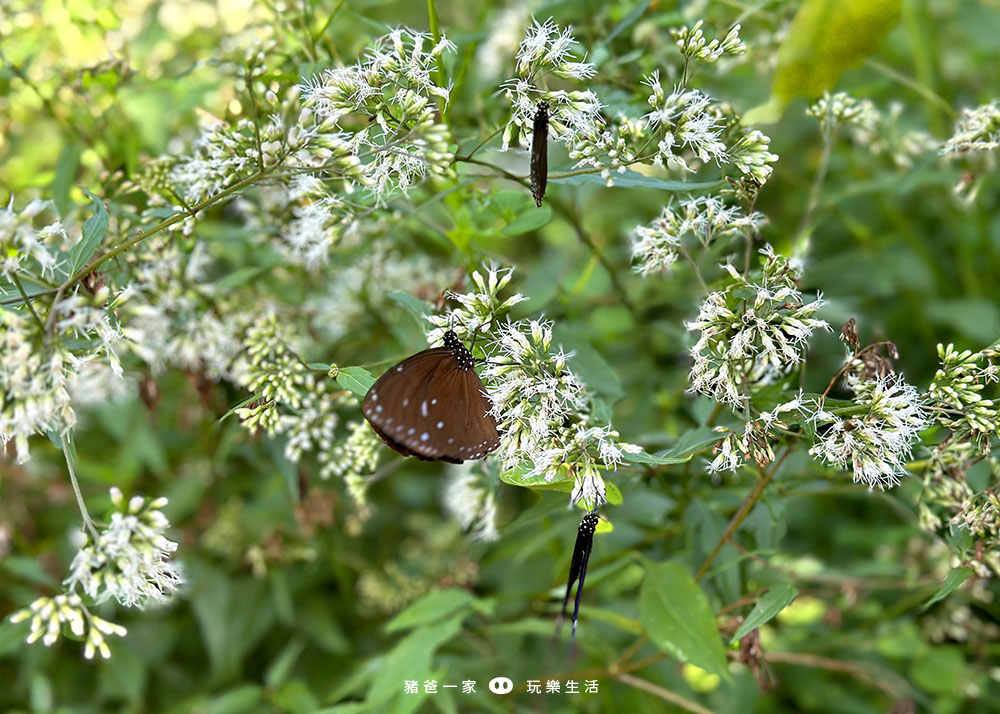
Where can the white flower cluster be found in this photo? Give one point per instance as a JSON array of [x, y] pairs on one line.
[[751, 333], [874, 437], [177, 317], [693, 44], [755, 441], [353, 459], [394, 86], [479, 312], [869, 127], [548, 50], [48, 615], [680, 126], [655, 246], [278, 376], [44, 344], [978, 130], [129, 560], [504, 36], [20, 241], [472, 503], [841, 109], [542, 409], [956, 393]]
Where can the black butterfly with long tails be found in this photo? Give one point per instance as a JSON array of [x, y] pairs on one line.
[[578, 565], [540, 153], [433, 406]]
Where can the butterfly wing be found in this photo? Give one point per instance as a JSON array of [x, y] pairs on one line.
[[429, 407], [393, 404], [479, 435]]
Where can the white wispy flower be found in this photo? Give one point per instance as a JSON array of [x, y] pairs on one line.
[[395, 86], [477, 310], [744, 341], [755, 441], [129, 561], [471, 502], [977, 130], [875, 437], [545, 50], [655, 246]]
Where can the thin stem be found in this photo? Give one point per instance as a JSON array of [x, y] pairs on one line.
[[27, 301], [742, 513], [432, 20], [847, 364], [858, 671], [166, 223], [478, 146], [87, 521], [697, 271], [818, 180], [662, 693]]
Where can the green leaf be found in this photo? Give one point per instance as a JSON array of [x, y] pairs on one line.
[[774, 601], [655, 459], [628, 20], [432, 607], [678, 619], [356, 380], [530, 220], [951, 583], [627, 624], [516, 477], [614, 495], [249, 400], [411, 659], [93, 233], [632, 179], [413, 305], [237, 700], [825, 38], [66, 167]]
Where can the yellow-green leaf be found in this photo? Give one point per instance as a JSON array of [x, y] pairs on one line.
[[826, 38]]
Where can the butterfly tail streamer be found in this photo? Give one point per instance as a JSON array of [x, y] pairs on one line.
[[540, 153]]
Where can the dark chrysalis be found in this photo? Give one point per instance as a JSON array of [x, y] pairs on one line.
[[433, 406], [578, 565], [540, 153]]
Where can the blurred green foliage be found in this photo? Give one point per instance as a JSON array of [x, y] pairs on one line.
[[296, 603]]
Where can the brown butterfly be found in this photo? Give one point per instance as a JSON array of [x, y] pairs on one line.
[[433, 406]]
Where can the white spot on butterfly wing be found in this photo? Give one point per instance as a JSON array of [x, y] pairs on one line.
[[378, 408], [423, 408], [425, 436], [440, 425], [374, 395], [406, 402]]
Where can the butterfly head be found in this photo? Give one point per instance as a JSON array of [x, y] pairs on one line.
[[462, 354]]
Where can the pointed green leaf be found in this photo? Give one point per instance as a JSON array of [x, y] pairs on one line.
[[678, 619], [774, 601], [357, 380], [951, 583], [93, 233]]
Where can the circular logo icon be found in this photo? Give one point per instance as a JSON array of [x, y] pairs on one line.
[[501, 685]]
